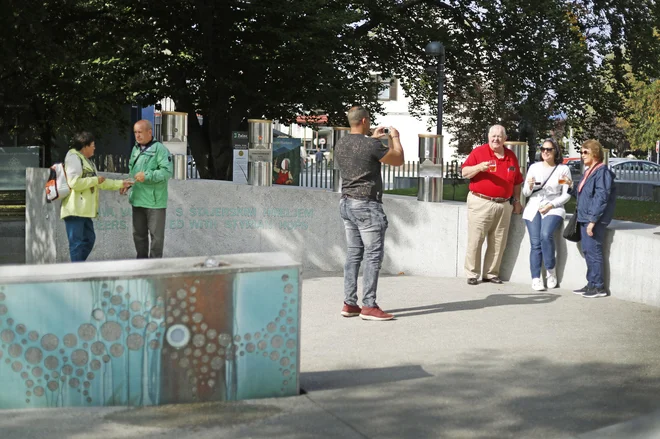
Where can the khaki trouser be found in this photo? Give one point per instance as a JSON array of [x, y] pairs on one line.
[[486, 220]]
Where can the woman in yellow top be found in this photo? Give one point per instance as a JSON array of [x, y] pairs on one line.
[[82, 204]]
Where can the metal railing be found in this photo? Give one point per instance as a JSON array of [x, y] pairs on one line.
[[111, 163], [319, 175], [637, 175], [119, 163], [312, 174], [400, 177]]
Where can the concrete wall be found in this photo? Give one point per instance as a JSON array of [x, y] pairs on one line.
[[12, 236], [428, 239]]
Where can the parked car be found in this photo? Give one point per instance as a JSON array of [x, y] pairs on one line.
[[575, 165], [635, 170]]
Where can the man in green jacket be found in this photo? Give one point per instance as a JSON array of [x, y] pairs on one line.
[[82, 204], [150, 166]]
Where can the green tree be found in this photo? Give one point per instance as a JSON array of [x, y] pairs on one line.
[[235, 60], [530, 62], [644, 120], [519, 62], [514, 62], [61, 70]]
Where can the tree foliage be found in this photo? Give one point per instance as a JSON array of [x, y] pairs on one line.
[[643, 124], [61, 69], [527, 63], [522, 63]]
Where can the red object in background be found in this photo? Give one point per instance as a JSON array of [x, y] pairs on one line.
[[311, 120], [570, 159]]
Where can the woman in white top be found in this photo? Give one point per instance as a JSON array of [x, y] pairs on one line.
[[546, 190]]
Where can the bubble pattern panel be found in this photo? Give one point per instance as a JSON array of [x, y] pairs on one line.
[[61, 369], [150, 341]]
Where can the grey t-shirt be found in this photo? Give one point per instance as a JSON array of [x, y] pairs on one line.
[[358, 157]]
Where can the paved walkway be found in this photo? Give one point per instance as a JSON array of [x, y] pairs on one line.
[[459, 362]]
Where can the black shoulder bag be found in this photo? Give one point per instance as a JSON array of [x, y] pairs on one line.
[[572, 230]]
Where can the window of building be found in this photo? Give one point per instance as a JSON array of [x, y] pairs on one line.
[[388, 90]]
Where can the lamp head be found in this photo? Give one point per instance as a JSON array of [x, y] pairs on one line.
[[435, 48]]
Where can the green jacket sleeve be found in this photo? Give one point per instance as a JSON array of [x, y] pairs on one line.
[[131, 161], [163, 170]]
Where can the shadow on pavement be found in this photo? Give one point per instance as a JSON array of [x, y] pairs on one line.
[[487, 395], [338, 379], [492, 300]]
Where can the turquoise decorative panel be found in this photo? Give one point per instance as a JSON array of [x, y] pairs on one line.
[[146, 340]]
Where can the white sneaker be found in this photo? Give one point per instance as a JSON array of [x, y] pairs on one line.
[[537, 284], [552, 278]]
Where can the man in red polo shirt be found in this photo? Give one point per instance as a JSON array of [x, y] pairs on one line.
[[495, 182]]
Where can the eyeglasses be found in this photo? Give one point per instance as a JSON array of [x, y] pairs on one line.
[[547, 149], [585, 152]]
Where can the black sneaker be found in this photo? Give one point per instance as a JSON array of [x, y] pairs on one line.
[[495, 280], [582, 290], [595, 292]]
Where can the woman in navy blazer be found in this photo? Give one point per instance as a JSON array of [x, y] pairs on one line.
[[596, 197]]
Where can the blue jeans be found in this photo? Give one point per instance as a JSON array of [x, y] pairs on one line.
[[592, 247], [542, 240], [365, 223], [80, 232]]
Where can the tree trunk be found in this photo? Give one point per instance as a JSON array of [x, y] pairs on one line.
[[200, 146]]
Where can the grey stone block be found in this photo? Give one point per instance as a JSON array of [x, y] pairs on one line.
[[215, 217]]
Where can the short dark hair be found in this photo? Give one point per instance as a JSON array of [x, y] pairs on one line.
[[555, 145], [82, 139], [355, 115]]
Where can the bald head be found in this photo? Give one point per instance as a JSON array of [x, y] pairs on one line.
[[144, 123], [143, 131]]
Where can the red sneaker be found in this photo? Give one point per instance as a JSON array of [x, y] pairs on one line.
[[350, 310], [375, 313]]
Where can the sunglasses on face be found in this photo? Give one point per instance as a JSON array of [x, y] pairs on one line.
[[585, 152], [547, 149]]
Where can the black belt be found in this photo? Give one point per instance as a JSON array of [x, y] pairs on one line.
[[355, 197], [486, 197]]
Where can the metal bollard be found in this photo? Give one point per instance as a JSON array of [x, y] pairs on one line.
[[174, 126], [261, 174], [260, 152], [520, 150], [337, 133], [429, 182], [179, 167]]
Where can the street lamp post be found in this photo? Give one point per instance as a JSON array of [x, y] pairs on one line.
[[436, 49], [429, 184]]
